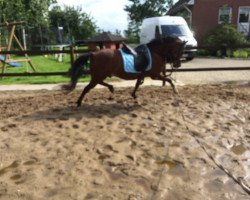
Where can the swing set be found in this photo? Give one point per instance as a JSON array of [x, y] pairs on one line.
[[7, 60]]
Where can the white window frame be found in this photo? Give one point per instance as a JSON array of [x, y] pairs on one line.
[[242, 7], [221, 12], [243, 27]]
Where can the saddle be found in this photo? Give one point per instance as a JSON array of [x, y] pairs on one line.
[[141, 56]]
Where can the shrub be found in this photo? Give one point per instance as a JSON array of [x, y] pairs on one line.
[[248, 50], [203, 52], [240, 54], [225, 34]]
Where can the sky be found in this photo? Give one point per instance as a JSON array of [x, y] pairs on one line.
[[109, 15]]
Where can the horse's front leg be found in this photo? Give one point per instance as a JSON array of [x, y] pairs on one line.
[[164, 79], [139, 81], [91, 85]]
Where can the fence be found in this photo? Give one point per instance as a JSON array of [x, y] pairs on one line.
[[72, 51]]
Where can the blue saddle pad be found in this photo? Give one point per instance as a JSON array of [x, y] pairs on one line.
[[128, 62]]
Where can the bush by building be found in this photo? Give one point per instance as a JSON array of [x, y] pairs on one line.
[[225, 34]]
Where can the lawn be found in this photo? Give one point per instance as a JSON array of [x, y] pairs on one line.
[[42, 64]]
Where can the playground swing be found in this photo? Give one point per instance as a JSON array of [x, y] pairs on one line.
[[6, 60]]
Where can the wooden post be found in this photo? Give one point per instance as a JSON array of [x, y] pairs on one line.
[[12, 23], [71, 55], [10, 40], [26, 55]]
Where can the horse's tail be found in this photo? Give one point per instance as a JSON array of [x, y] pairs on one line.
[[76, 71]]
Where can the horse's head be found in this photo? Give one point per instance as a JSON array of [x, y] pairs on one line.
[[175, 51], [169, 49]]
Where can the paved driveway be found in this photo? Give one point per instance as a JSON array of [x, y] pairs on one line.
[[213, 76]]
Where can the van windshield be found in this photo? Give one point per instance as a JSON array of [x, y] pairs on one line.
[[173, 30]]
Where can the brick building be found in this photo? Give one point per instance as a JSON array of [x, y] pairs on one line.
[[205, 15]]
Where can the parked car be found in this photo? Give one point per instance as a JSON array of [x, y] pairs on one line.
[[169, 26]]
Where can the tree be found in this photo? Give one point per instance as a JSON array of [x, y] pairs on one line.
[[140, 9], [74, 22], [118, 32], [132, 33], [33, 12]]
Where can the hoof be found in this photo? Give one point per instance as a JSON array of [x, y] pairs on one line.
[[78, 104], [134, 96], [112, 89]]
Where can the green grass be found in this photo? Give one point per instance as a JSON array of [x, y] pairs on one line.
[[240, 54], [42, 64]]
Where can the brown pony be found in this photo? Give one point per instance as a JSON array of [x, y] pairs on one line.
[[107, 62]]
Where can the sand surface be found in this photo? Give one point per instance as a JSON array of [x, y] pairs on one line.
[[116, 148]]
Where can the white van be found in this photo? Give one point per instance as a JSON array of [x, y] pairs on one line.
[[168, 26]]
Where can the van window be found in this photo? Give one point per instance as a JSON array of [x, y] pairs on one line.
[[173, 30]]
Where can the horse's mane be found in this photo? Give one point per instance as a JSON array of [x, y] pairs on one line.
[[160, 40]]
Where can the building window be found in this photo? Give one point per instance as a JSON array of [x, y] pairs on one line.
[[225, 15], [244, 15]]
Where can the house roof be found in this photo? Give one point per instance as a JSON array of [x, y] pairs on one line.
[[106, 37], [179, 5]]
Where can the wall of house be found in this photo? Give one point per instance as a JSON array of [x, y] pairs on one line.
[[206, 13]]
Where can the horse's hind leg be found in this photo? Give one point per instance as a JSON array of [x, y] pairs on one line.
[[91, 85], [110, 87], [138, 83]]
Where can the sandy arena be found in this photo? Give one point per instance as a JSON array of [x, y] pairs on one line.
[[116, 148]]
